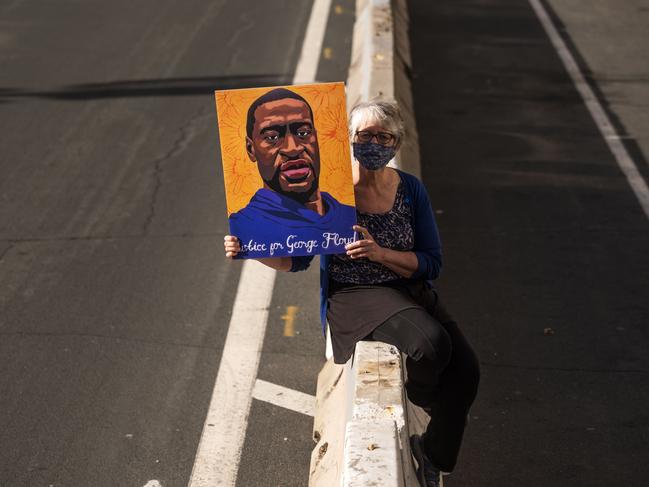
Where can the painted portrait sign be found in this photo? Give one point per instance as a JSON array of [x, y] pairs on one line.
[[287, 171]]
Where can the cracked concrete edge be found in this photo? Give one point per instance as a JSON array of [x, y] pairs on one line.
[[360, 425], [380, 455], [372, 454]]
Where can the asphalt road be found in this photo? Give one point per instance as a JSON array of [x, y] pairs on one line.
[[541, 231], [115, 296]]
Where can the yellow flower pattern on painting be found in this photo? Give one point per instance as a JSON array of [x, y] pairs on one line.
[[240, 174]]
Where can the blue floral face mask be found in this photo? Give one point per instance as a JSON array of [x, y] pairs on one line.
[[373, 156]]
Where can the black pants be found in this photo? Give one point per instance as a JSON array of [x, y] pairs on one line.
[[443, 373]]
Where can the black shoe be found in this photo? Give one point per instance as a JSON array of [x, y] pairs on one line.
[[427, 474]]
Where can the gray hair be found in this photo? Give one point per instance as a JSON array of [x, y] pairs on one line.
[[380, 112]]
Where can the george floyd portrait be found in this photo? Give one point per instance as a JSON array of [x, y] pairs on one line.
[[287, 171]]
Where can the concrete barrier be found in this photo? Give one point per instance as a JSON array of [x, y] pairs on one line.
[[363, 420], [381, 66], [360, 422]]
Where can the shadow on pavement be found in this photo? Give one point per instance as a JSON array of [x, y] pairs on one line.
[[146, 88]]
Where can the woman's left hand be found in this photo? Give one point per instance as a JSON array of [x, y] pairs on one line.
[[365, 247]]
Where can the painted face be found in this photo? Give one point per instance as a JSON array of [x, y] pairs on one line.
[[284, 145]]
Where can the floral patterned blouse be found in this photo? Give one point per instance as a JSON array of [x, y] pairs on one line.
[[392, 230]]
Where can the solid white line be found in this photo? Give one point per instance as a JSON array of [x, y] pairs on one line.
[[284, 397], [307, 65], [219, 451], [624, 160]]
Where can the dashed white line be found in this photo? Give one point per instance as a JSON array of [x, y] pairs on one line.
[[612, 138], [284, 397]]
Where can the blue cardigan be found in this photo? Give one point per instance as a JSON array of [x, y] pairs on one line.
[[427, 245]]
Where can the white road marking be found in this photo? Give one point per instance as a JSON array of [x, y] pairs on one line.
[[284, 397], [219, 451], [153, 483], [624, 160], [307, 65]]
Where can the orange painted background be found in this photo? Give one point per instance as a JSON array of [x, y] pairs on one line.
[[240, 174]]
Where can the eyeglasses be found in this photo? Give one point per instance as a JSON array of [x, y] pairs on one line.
[[383, 138]]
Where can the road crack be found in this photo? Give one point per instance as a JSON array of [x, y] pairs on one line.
[[6, 251], [187, 132]]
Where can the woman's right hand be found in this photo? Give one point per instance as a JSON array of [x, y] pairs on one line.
[[232, 246]]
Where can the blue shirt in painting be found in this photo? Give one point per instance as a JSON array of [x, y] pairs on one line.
[[274, 225]]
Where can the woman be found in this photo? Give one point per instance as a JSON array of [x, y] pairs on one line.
[[381, 288]]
